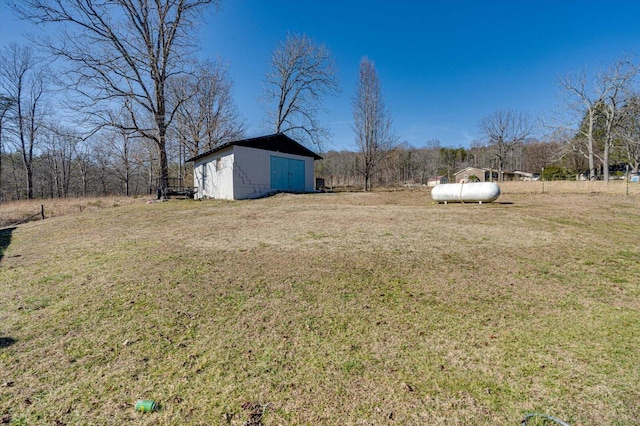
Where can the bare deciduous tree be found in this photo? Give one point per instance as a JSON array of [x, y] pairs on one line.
[[583, 102], [22, 78], [208, 115], [83, 162], [615, 82], [6, 106], [427, 160], [338, 169], [372, 122], [122, 50], [401, 165], [302, 74], [537, 155], [504, 130], [59, 152], [597, 105]]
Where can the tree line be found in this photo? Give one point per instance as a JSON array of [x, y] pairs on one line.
[[605, 144], [406, 165], [129, 103]]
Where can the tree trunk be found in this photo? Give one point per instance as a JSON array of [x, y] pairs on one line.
[[164, 167], [126, 166], [592, 163], [29, 176], [605, 163], [1, 191]]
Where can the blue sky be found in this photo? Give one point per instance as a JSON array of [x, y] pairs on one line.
[[442, 64]]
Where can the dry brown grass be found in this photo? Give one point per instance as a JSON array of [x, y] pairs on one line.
[[27, 210], [617, 187], [350, 308]]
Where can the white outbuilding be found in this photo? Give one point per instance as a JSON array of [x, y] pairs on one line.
[[253, 168]]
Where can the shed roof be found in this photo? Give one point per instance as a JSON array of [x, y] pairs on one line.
[[278, 142]]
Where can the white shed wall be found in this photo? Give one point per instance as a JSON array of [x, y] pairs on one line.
[[251, 174], [309, 174], [243, 173], [218, 182]]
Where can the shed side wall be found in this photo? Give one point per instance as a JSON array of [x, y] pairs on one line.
[[218, 182]]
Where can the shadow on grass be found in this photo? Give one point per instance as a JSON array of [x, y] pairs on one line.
[[5, 240], [5, 342]]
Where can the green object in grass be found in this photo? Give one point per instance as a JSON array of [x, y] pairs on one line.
[[544, 416], [145, 406]]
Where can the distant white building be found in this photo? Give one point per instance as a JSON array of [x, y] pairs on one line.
[[253, 168], [526, 175]]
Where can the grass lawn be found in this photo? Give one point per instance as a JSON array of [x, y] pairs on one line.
[[325, 309]]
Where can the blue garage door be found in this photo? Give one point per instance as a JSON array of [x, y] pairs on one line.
[[287, 174]]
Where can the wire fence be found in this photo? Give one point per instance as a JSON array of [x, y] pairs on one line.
[[614, 187], [35, 216]]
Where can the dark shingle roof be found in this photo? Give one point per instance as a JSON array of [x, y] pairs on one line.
[[278, 142]]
